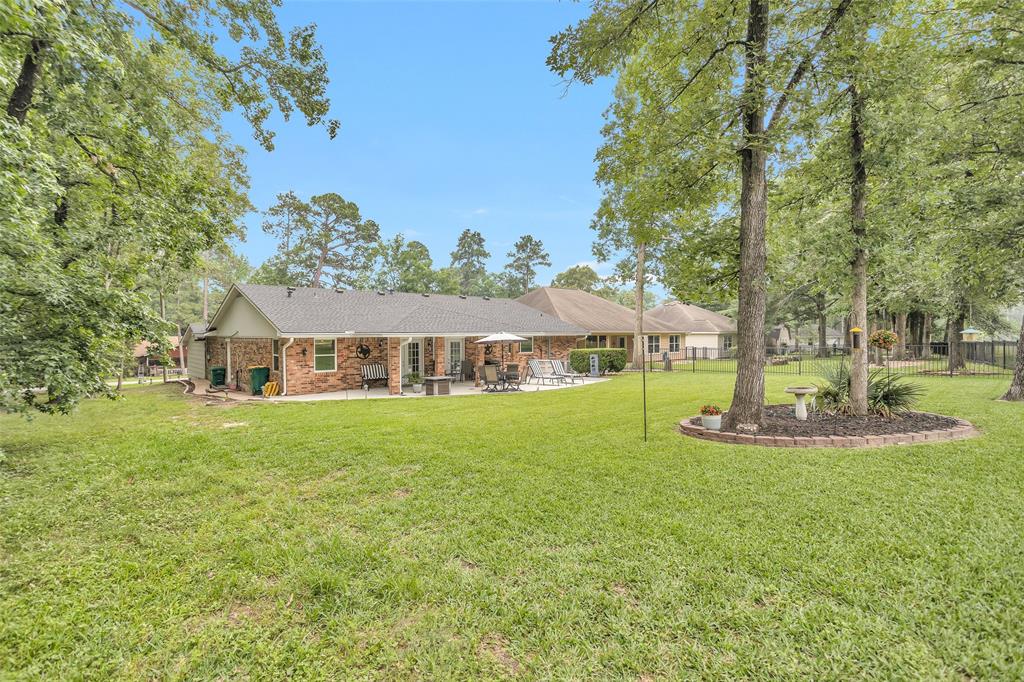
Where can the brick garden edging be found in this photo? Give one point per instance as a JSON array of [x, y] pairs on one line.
[[963, 429]]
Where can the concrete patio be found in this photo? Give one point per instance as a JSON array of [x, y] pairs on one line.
[[457, 389]]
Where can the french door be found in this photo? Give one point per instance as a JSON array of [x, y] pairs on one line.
[[455, 354]]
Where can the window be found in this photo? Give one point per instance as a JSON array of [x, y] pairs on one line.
[[726, 342], [622, 342], [602, 342], [653, 345], [325, 358], [591, 342], [455, 355], [275, 351], [526, 346], [673, 343]]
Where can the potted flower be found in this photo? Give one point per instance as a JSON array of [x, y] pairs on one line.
[[711, 417], [884, 339], [416, 380]]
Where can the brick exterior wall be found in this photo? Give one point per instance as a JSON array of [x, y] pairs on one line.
[[245, 353], [347, 374]]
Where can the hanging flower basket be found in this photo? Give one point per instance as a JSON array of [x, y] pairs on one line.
[[883, 338]]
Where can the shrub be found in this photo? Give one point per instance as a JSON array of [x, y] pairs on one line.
[[887, 395], [710, 410], [414, 378], [608, 359]]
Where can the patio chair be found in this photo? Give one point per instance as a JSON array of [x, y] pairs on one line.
[[489, 374], [567, 374], [512, 377], [467, 371], [542, 371]]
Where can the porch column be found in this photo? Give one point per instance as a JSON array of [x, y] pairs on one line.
[[439, 356], [394, 366], [480, 357]]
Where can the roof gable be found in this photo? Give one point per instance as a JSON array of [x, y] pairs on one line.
[[692, 319]]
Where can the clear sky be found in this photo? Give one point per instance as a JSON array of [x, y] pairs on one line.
[[449, 119]]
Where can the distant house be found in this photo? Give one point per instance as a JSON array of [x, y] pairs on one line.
[[608, 324], [703, 328], [321, 340], [147, 362]]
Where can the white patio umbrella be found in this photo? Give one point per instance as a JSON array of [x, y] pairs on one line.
[[502, 338]]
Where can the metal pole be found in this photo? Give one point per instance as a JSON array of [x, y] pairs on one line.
[[643, 372]]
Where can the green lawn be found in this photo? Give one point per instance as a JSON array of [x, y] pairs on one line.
[[527, 535]]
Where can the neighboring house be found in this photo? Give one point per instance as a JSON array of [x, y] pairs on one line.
[[147, 363], [703, 328], [778, 339], [608, 324], [318, 340]]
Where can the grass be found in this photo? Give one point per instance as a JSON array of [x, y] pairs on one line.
[[530, 535]]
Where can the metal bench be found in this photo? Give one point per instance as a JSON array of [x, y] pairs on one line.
[[376, 371]]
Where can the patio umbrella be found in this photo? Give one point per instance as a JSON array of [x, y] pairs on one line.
[[502, 338]]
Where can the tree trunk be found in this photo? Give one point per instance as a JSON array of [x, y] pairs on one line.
[[859, 270], [318, 273], [638, 305], [21, 97], [163, 316], [1016, 391], [926, 336], [748, 393], [819, 307], [206, 298], [901, 336], [954, 330]]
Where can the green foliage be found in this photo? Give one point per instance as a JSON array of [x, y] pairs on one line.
[[114, 162], [888, 395], [414, 378], [526, 256], [469, 260], [581, 277], [608, 359]]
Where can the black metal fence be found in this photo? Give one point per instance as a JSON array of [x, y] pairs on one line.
[[977, 358]]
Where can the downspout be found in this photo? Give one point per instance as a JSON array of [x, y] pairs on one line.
[[284, 365], [229, 373]]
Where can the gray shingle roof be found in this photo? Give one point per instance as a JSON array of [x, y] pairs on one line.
[[593, 313], [692, 319], [368, 313]]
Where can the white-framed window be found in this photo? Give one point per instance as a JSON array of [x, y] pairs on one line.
[[275, 351], [325, 356], [455, 354], [526, 346], [673, 343], [653, 345], [727, 342]]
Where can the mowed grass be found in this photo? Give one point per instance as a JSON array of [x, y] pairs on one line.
[[529, 536]]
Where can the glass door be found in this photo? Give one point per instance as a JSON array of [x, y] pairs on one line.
[[413, 359], [455, 355]]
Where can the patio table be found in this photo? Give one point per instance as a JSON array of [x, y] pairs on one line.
[[439, 385]]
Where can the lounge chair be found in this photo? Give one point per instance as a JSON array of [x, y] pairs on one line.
[[542, 371], [565, 372], [489, 374]]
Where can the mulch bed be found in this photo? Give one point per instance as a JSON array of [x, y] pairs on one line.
[[780, 420]]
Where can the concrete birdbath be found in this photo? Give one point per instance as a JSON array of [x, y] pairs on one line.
[[801, 392]]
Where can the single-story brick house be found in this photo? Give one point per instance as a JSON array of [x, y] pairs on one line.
[[318, 340], [608, 324]]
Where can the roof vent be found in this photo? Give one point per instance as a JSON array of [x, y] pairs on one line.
[[391, 291], [487, 298], [290, 290], [426, 295], [380, 293], [339, 291], [462, 296]]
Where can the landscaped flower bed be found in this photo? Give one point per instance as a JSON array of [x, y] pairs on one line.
[[781, 428]]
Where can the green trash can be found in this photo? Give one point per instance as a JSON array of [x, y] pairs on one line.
[[257, 377], [217, 375]]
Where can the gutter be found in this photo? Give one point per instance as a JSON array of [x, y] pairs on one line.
[[284, 364]]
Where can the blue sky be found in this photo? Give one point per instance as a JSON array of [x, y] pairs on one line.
[[449, 119]]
